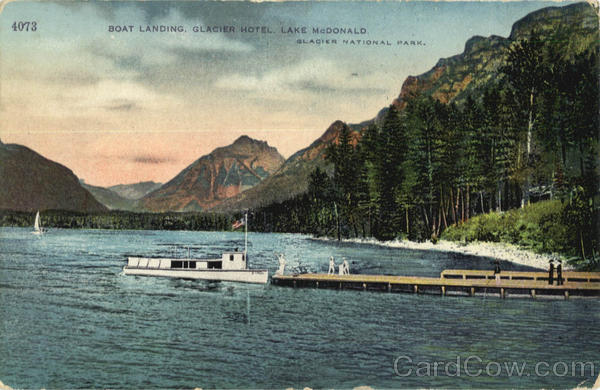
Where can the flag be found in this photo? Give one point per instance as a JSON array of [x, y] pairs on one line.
[[237, 224]]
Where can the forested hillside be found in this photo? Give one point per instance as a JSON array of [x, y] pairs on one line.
[[528, 132]]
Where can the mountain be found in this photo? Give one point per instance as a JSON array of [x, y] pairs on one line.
[[109, 198], [31, 182], [292, 178], [574, 26], [136, 190], [223, 173], [122, 196]]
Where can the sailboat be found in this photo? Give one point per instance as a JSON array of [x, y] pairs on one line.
[[37, 228]]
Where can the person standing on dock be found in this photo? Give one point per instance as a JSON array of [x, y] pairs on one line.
[[331, 266], [497, 270], [551, 273], [559, 278], [346, 267], [281, 268]]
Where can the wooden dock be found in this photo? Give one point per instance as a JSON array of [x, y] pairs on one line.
[[456, 282]]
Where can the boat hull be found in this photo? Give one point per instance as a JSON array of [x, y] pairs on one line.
[[260, 276]]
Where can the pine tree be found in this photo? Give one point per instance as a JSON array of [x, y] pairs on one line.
[[526, 72]]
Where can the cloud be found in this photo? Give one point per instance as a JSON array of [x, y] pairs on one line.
[[316, 76], [74, 77], [150, 159], [122, 105], [121, 95]]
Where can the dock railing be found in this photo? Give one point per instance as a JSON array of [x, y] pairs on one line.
[[568, 276]]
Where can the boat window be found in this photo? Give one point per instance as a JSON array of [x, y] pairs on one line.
[[193, 264], [215, 264], [176, 264], [185, 264], [231, 257]]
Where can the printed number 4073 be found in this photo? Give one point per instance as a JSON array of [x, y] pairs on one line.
[[24, 26]]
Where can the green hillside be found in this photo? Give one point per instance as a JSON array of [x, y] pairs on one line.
[[551, 226]]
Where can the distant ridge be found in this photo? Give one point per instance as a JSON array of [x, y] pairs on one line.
[[135, 191], [31, 182], [110, 199]]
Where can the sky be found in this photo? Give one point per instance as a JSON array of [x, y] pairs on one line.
[[130, 106]]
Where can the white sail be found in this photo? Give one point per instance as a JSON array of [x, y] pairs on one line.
[[37, 229]]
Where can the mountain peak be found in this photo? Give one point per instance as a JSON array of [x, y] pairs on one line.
[[223, 173], [244, 139], [293, 176], [452, 78], [578, 16]]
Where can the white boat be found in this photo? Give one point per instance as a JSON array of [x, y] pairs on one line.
[[230, 267], [37, 228]]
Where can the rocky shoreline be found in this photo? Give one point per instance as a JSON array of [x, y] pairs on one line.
[[495, 250]]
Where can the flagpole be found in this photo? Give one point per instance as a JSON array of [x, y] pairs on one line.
[[246, 235]]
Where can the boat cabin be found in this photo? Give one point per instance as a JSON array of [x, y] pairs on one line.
[[228, 261]]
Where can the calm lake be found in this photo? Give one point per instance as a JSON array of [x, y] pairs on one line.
[[70, 319]]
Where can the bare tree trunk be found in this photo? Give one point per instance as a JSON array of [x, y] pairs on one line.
[[337, 217], [582, 246], [370, 222], [499, 203], [439, 222], [581, 164], [468, 200], [426, 217], [462, 206], [452, 207], [481, 201], [407, 225], [444, 216], [527, 184]]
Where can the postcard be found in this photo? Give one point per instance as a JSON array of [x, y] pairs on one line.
[[299, 194]]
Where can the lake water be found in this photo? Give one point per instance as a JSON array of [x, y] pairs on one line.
[[70, 319]]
